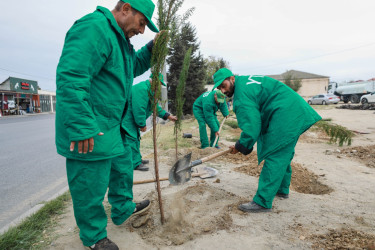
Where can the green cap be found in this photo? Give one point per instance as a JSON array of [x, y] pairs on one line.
[[161, 79], [220, 76], [146, 7], [220, 97]]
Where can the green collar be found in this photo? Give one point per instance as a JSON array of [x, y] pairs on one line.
[[108, 14]]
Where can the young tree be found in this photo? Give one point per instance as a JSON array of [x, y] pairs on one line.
[[196, 74], [180, 91], [213, 64], [292, 82]]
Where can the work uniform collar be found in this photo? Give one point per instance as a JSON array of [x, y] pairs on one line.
[[108, 14]]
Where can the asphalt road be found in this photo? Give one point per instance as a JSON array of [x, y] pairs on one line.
[[31, 170]]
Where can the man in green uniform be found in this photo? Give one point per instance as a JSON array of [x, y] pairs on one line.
[[274, 116], [204, 110], [135, 120], [94, 79]]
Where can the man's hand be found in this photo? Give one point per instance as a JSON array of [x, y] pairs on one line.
[[158, 34], [144, 129], [172, 118], [234, 150], [217, 133], [84, 145]]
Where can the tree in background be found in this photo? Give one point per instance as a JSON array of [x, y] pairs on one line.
[[213, 64], [180, 100], [195, 81], [292, 82]]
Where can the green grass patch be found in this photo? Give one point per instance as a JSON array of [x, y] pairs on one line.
[[338, 134], [30, 234], [231, 123]]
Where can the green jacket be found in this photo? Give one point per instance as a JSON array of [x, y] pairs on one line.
[[206, 105], [140, 109], [269, 113], [94, 78]]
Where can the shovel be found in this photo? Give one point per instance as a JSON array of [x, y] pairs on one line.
[[203, 172], [181, 170], [217, 137]]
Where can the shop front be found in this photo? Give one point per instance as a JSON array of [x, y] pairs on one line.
[[19, 96]]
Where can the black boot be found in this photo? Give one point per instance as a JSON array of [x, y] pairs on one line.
[[141, 167], [283, 196], [145, 161], [104, 244], [252, 207]]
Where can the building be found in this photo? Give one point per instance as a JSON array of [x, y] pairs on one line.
[[20, 96], [312, 84]]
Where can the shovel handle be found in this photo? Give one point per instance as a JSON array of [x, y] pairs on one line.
[[208, 158], [161, 179], [217, 137]]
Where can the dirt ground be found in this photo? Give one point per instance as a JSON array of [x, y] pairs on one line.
[[331, 204]]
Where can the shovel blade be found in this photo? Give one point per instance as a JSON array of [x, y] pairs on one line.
[[180, 172]]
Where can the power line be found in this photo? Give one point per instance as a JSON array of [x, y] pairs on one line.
[[13, 71], [310, 58]]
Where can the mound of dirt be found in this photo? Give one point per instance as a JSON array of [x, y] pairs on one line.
[[303, 181], [357, 106], [189, 213], [346, 238], [365, 155]]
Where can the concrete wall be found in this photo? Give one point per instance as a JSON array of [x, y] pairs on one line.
[[311, 87]]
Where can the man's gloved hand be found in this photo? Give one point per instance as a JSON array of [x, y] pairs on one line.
[[143, 129]]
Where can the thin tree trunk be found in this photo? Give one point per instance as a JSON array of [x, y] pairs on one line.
[[157, 164], [176, 140]]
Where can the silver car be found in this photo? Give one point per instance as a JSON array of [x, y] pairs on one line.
[[323, 99]]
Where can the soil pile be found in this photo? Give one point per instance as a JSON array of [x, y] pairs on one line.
[[361, 106], [346, 238], [365, 155], [303, 181], [189, 213]]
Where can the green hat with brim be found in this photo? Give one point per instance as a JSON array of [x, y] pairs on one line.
[[161, 79], [220, 76], [146, 7], [220, 97]]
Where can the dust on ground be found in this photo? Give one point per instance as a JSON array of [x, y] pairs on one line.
[[345, 238], [365, 155], [327, 192], [192, 212]]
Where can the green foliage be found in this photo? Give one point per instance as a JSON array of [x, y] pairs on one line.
[[180, 91], [213, 64], [159, 53], [231, 123], [196, 74], [29, 234], [168, 19], [292, 82], [338, 134]]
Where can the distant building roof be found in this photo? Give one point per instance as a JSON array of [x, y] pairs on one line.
[[297, 74], [372, 79]]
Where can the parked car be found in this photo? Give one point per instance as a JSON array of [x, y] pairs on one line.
[[324, 99], [368, 98]]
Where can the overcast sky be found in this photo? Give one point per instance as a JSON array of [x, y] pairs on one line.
[[335, 38]]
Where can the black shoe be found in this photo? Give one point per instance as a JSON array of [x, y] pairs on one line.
[[104, 244], [252, 207], [145, 161], [141, 207], [141, 167], [217, 147], [283, 196]]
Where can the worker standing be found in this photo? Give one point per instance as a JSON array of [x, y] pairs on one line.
[[204, 110], [94, 79], [274, 116], [140, 108]]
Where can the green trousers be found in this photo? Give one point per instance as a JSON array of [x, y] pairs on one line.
[[275, 176], [203, 131], [88, 183], [135, 145]]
